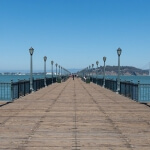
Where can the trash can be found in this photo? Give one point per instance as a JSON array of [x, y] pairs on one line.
[[58, 80], [87, 80]]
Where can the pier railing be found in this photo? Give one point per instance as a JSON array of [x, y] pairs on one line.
[[21, 88], [14, 90], [144, 93], [5, 93], [136, 91]]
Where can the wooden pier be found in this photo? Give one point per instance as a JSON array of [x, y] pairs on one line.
[[74, 115]]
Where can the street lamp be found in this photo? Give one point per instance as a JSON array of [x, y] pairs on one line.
[[92, 71], [89, 71], [52, 62], [59, 70], [56, 71], [118, 79], [104, 59], [31, 50], [97, 70], [45, 58], [84, 72]]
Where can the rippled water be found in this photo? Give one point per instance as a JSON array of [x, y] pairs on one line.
[[15, 78], [134, 79]]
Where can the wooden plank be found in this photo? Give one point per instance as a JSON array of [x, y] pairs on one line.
[[74, 115]]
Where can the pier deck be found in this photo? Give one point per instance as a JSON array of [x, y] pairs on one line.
[[74, 115]]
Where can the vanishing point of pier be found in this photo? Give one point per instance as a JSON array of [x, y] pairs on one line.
[[74, 115]]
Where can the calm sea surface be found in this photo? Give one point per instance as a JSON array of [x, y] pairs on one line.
[[134, 79], [15, 78]]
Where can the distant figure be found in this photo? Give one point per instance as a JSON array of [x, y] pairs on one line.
[[73, 77]]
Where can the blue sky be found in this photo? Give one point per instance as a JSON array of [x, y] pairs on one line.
[[73, 33]]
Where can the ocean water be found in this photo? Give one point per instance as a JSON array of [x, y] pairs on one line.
[[15, 78], [134, 79]]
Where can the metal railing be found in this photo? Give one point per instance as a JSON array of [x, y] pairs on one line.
[[130, 90], [14, 90], [20, 88], [5, 89], [64, 78], [144, 93], [135, 91], [111, 84]]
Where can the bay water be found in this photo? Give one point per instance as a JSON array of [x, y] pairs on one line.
[[15, 78], [134, 79]]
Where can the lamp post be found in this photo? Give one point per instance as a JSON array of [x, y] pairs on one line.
[[52, 62], [84, 72], [89, 71], [45, 58], [59, 70], [92, 71], [31, 50], [119, 50], [56, 71], [97, 70], [104, 59]]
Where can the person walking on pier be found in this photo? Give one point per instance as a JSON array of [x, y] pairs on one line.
[[73, 76]]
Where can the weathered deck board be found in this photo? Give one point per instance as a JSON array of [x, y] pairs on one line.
[[74, 115]]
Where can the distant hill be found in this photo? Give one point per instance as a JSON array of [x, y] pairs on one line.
[[124, 70]]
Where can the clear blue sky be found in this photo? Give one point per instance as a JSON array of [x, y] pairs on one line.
[[74, 33]]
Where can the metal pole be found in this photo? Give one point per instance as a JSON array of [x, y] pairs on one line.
[[89, 71], [45, 58], [56, 72], [118, 79], [104, 59], [31, 50], [96, 73], [52, 73], [97, 70], [45, 72], [104, 75], [12, 90], [59, 70], [31, 77], [92, 71], [52, 70], [138, 87]]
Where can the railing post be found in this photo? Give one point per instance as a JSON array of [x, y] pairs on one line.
[[125, 88], [11, 84], [138, 91], [24, 87], [18, 88], [132, 85], [36, 84]]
